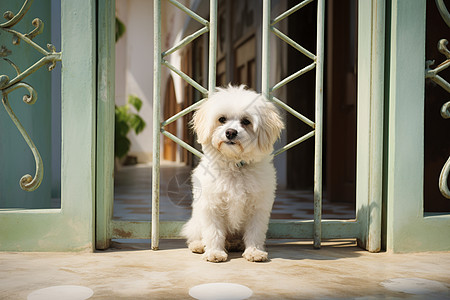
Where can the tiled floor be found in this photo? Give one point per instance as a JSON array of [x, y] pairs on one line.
[[132, 197]]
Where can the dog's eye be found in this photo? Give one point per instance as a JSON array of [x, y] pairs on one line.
[[245, 122], [222, 120]]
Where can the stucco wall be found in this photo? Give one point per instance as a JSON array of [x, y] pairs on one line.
[[134, 62], [134, 67]]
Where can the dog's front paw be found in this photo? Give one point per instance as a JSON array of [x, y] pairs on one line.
[[215, 255], [254, 254], [197, 247]]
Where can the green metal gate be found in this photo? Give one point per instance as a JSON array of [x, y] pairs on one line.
[[267, 90], [87, 95], [367, 225]]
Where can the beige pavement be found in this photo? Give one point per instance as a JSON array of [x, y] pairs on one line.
[[340, 270]]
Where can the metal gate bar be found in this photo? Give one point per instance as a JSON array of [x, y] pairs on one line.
[[170, 228], [319, 124], [268, 27], [157, 60], [158, 126]]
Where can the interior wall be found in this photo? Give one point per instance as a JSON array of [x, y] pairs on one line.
[[134, 68]]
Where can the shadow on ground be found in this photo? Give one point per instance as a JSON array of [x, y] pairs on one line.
[[278, 249]]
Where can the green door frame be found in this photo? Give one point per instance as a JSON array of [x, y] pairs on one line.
[[105, 121], [70, 228], [367, 226], [408, 228]]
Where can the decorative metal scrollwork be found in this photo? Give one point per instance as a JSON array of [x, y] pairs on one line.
[[50, 57], [433, 75]]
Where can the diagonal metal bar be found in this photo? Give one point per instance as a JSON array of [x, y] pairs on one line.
[[189, 12], [293, 43], [182, 113], [441, 82], [182, 143], [188, 79], [293, 112], [48, 59], [293, 76], [430, 73], [27, 40], [186, 41], [294, 143], [291, 11]]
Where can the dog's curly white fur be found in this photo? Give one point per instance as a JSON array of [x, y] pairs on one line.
[[235, 181]]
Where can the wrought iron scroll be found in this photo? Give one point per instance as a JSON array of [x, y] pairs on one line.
[[7, 85], [433, 75]]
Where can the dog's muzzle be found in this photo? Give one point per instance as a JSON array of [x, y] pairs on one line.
[[231, 134]]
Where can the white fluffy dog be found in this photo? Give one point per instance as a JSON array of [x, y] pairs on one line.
[[234, 183]]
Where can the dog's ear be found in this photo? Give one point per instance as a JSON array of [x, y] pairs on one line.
[[201, 124], [268, 126]]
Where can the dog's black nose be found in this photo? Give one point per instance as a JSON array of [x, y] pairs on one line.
[[231, 134]]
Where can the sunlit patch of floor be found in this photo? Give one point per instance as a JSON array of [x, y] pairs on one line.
[[67, 292], [220, 291], [415, 286]]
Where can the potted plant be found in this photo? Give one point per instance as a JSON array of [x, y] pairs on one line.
[[125, 121]]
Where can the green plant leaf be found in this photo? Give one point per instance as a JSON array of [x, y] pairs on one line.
[[135, 102], [137, 123], [121, 128], [122, 113], [121, 146], [120, 29], [122, 117], [125, 120]]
